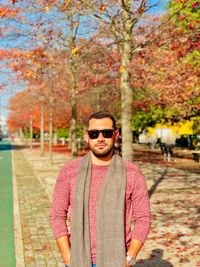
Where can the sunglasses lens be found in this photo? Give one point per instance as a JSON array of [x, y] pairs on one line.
[[93, 134], [107, 133]]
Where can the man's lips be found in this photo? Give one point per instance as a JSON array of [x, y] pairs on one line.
[[101, 146]]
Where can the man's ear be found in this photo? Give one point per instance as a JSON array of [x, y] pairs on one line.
[[116, 135]]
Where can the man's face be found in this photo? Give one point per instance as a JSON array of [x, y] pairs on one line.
[[102, 146]]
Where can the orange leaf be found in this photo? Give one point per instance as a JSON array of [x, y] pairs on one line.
[[102, 8]]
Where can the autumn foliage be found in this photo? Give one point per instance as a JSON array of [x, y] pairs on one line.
[[164, 68]]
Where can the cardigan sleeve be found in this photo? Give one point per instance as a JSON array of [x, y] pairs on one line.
[[60, 204], [140, 205]]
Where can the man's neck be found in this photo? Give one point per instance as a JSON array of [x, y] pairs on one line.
[[101, 161]]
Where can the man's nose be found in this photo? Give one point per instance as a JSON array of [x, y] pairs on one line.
[[100, 137]]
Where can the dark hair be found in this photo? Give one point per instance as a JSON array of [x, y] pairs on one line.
[[101, 115]]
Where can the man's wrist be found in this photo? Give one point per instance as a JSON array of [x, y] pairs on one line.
[[131, 260], [66, 258]]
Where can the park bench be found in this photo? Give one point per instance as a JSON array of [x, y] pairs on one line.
[[196, 155], [167, 150]]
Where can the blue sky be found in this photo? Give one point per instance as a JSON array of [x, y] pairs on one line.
[[158, 8]]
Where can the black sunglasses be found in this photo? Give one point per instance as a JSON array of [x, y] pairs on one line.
[[94, 134]]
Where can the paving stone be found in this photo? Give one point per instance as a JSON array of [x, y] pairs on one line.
[[30, 264]]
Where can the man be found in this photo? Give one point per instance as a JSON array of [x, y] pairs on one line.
[[103, 196]]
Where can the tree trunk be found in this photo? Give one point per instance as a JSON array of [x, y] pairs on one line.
[[126, 90], [42, 131], [126, 113], [55, 137], [72, 67], [50, 134], [31, 133], [73, 137]]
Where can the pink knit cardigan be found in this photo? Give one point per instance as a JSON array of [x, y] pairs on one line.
[[137, 206]]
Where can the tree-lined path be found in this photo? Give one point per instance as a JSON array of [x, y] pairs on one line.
[[63, 60], [7, 251]]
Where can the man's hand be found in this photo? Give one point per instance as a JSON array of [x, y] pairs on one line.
[[64, 246], [66, 259], [130, 261], [127, 265], [134, 249]]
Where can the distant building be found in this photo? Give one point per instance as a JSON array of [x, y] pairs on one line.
[[3, 126], [166, 133]]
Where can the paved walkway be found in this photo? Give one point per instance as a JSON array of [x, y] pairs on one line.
[[39, 248], [174, 238]]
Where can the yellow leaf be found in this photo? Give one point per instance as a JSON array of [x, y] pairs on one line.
[[75, 50], [67, 2], [46, 9], [122, 69], [41, 37]]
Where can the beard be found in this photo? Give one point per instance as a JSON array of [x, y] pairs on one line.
[[102, 153]]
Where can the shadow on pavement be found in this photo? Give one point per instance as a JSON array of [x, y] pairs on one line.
[[8, 146], [157, 182], [155, 260], [5, 146], [18, 147]]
